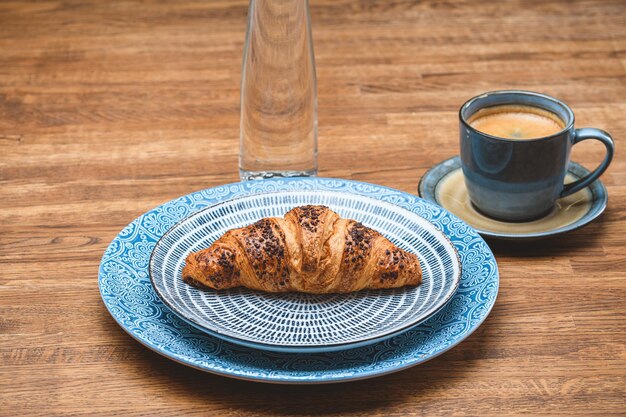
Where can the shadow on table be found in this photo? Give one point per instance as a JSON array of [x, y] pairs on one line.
[[423, 382]]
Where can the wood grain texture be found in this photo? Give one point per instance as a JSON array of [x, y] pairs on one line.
[[108, 109]]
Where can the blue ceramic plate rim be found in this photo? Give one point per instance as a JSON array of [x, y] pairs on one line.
[[427, 189], [302, 349], [329, 367]]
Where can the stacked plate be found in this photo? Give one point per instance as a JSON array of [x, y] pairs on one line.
[[298, 338]]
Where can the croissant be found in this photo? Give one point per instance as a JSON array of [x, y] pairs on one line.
[[310, 250]]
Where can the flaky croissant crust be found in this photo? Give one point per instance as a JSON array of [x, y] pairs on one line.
[[310, 250]]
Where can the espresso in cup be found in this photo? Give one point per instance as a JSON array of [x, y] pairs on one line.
[[516, 122], [515, 149]]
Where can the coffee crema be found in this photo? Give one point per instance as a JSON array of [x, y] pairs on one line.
[[514, 121]]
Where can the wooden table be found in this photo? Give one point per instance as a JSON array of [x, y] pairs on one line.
[[108, 109]]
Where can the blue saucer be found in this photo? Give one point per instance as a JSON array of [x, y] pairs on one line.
[[443, 184]]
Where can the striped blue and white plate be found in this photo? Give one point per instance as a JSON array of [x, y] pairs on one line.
[[129, 296], [297, 322]]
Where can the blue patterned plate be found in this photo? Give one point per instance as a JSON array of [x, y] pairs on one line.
[[298, 322], [130, 298]]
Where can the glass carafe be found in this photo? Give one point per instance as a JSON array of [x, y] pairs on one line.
[[278, 136]]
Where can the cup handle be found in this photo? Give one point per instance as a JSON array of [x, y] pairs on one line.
[[584, 134]]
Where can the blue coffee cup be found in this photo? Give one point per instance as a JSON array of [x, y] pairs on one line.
[[521, 179]]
